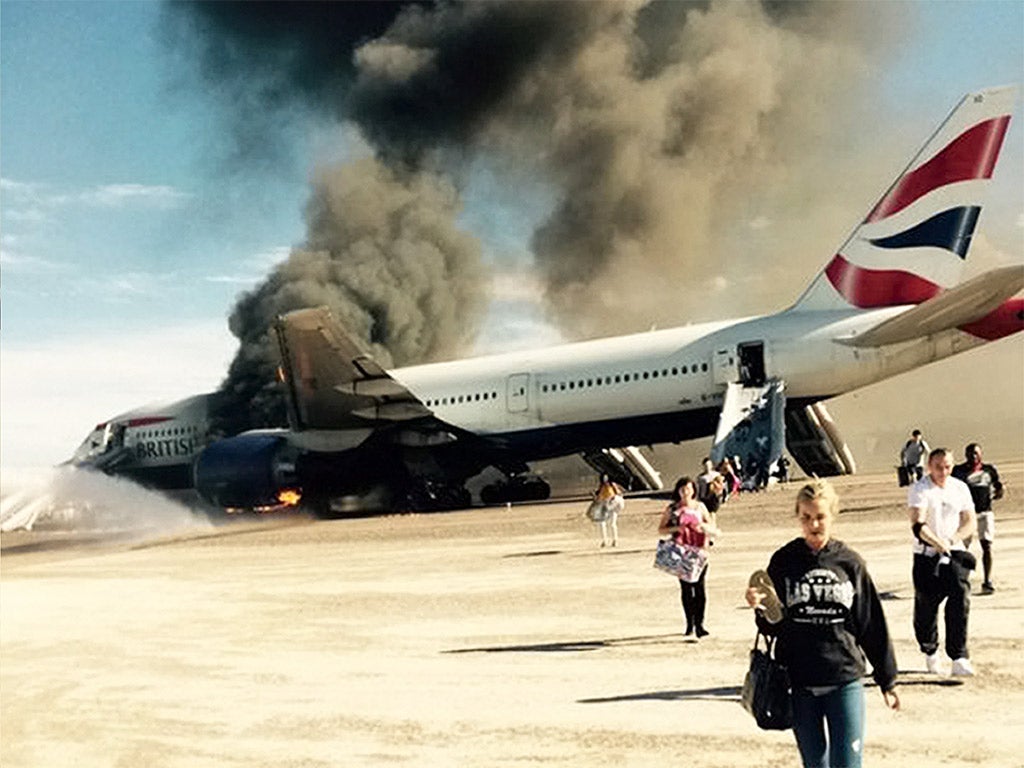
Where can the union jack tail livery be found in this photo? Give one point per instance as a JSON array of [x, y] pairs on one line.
[[913, 244]]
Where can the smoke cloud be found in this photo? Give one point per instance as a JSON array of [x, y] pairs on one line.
[[382, 251], [671, 131]]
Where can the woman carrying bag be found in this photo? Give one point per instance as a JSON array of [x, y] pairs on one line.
[[830, 618], [690, 523]]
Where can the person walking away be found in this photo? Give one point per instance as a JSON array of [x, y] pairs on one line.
[[912, 457], [983, 483], [689, 522], [942, 519], [610, 502], [832, 619]]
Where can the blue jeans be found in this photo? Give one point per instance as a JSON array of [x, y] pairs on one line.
[[842, 710]]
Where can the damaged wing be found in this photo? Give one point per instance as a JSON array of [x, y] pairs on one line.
[[952, 308], [331, 382]]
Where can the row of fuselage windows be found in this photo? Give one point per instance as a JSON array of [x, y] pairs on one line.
[[171, 431], [457, 400], [577, 384]]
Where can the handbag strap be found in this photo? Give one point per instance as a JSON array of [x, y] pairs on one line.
[[769, 642]]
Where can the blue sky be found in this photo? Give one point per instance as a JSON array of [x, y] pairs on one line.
[[124, 247]]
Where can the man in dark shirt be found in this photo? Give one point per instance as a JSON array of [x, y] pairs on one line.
[[983, 481]]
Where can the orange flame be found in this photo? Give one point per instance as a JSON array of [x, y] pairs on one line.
[[289, 497]]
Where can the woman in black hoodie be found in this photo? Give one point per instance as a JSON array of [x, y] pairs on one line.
[[831, 619]]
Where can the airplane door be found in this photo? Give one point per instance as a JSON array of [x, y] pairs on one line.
[[723, 366], [752, 368], [518, 392]]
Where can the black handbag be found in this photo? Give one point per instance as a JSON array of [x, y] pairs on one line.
[[766, 689], [964, 559]]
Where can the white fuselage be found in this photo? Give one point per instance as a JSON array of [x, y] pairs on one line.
[[664, 373]]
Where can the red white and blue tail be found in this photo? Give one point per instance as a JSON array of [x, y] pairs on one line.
[[913, 243]]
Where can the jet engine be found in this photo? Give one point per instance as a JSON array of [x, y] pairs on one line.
[[254, 470]]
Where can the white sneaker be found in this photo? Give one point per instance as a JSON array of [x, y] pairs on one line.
[[933, 663], [962, 668]]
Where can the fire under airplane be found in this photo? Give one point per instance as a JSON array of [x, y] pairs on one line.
[[891, 299]]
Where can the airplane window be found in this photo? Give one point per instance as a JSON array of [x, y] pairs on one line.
[[645, 375], [572, 385], [654, 375], [625, 377], [665, 372], [675, 371], [580, 384], [590, 382], [494, 395], [704, 367], [618, 379], [683, 369]]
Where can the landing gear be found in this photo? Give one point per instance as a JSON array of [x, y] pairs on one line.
[[424, 495], [516, 488]]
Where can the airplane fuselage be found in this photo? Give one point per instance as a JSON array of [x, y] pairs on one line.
[[659, 386]]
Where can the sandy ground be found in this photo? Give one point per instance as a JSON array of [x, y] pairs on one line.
[[478, 638]]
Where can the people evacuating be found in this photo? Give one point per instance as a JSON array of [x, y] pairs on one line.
[[983, 483], [942, 519], [705, 477], [913, 456], [689, 522], [604, 510], [828, 619], [730, 478]]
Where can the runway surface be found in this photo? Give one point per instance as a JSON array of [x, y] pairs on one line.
[[488, 637]]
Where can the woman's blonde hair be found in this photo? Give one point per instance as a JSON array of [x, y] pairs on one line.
[[821, 491]]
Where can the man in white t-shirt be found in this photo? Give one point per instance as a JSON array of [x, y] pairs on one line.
[[942, 517]]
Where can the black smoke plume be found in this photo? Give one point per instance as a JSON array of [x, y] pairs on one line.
[[652, 121]]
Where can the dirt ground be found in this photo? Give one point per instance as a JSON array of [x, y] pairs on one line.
[[479, 638]]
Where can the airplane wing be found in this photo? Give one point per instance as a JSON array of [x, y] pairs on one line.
[[332, 383], [952, 308]]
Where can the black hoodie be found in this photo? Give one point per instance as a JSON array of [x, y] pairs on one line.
[[832, 617]]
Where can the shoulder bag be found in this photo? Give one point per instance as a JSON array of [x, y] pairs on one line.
[[684, 561], [766, 689]]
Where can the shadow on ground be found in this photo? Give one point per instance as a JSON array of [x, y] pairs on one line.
[[572, 646]]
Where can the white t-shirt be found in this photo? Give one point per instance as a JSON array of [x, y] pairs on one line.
[[943, 507]]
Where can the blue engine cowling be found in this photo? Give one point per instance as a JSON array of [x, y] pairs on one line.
[[248, 471]]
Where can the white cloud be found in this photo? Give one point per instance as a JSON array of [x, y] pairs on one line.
[[127, 195], [14, 262], [53, 393], [27, 201], [255, 268]]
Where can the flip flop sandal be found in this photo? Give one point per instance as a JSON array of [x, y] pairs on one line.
[[771, 605]]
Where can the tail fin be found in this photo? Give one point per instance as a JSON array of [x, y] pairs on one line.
[[913, 243]]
